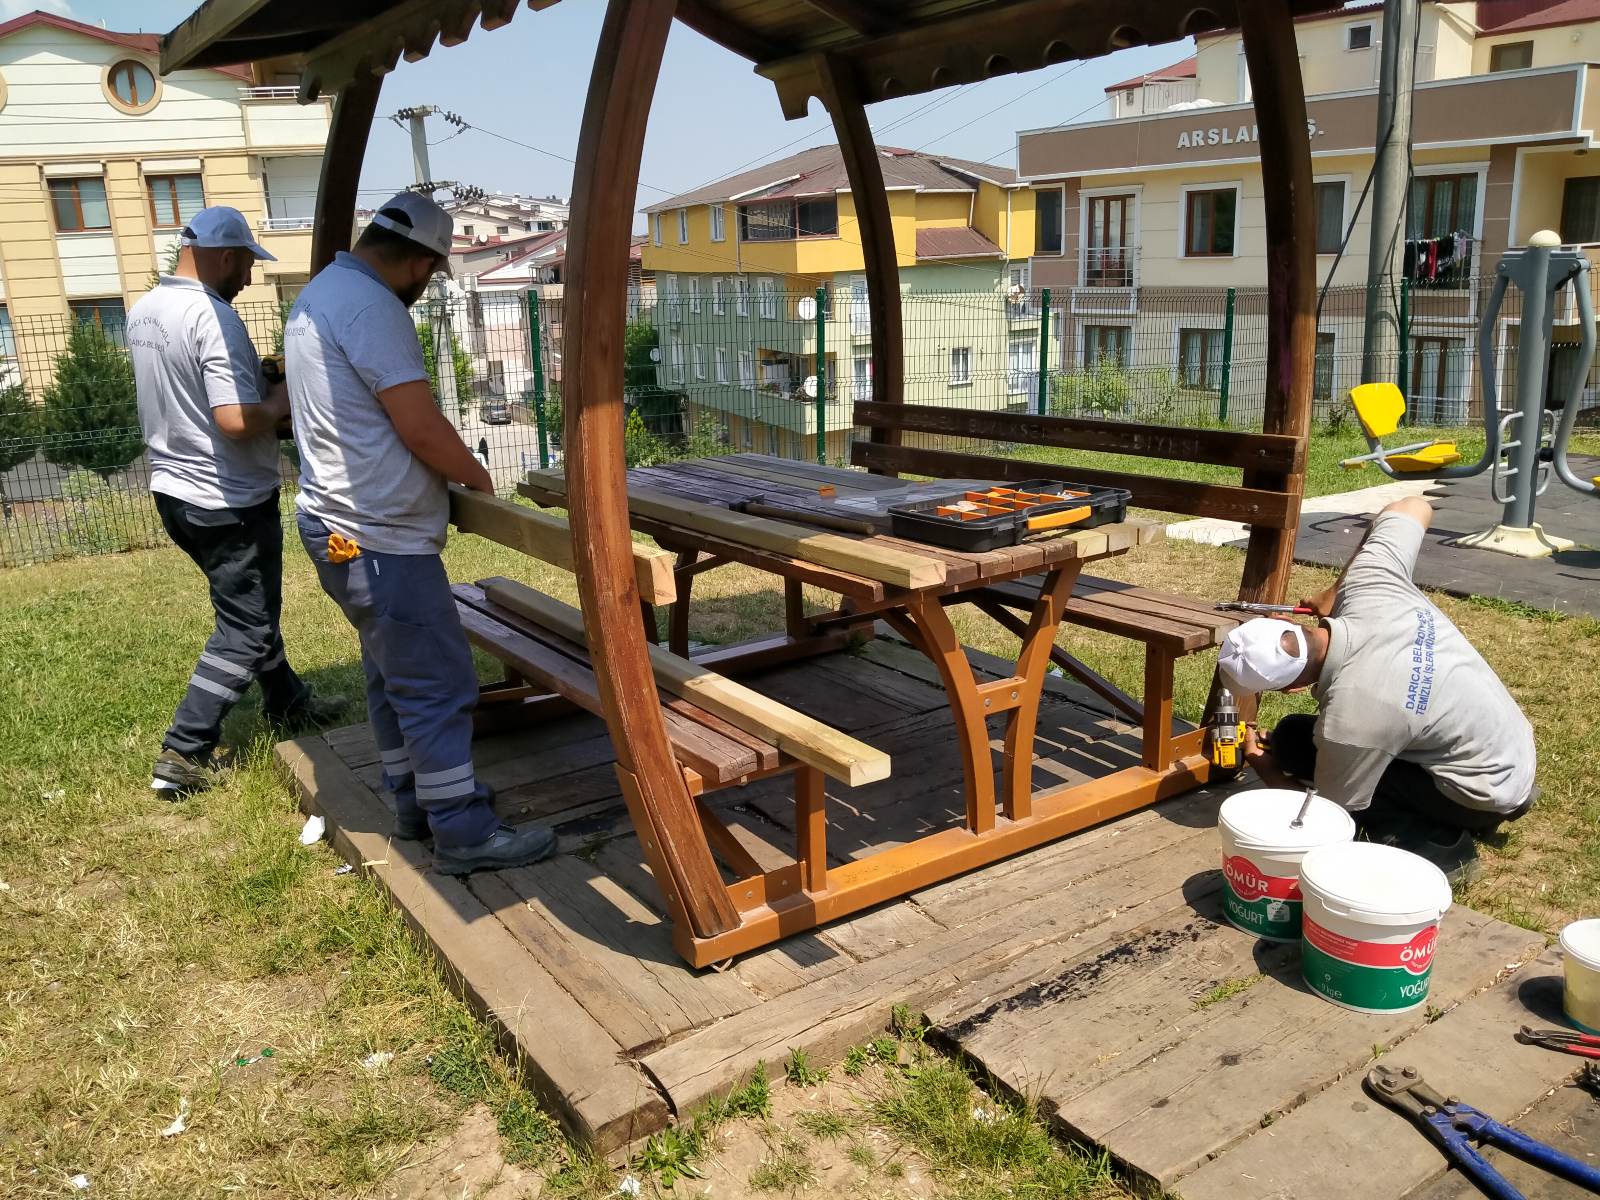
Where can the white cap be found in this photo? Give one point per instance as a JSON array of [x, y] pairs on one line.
[[222, 228], [1253, 656], [417, 217]]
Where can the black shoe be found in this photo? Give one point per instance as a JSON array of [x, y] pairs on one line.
[[1450, 849], [312, 712], [411, 823], [507, 847], [177, 775]]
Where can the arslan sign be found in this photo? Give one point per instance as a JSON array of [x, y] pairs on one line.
[[1226, 135]]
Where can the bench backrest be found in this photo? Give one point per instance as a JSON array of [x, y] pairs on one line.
[[1265, 454]]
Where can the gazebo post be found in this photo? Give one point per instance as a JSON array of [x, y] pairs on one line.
[[842, 98], [1285, 146], [610, 145], [353, 110]]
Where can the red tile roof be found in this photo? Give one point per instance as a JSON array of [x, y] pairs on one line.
[[958, 241], [1511, 16], [147, 43], [1184, 69]]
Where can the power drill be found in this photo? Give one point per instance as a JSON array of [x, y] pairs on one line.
[[1227, 733]]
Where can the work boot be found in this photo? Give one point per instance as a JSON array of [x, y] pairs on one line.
[[311, 712], [1450, 849], [411, 822], [178, 775], [507, 847]]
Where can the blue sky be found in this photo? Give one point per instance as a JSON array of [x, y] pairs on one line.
[[712, 114]]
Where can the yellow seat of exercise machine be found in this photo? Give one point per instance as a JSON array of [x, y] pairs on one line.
[[1379, 407]]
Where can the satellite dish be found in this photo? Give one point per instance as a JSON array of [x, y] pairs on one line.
[[655, 354], [807, 308], [809, 387]]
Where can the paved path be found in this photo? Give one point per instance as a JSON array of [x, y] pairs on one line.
[[1331, 528]]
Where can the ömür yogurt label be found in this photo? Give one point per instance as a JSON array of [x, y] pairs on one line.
[[1376, 976], [1265, 905]]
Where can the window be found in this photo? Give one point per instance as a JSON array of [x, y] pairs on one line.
[[683, 227], [677, 362], [502, 230], [1442, 204], [1322, 370], [694, 293], [960, 365], [466, 230], [785, 220], [1438, 380], [79, 204], [655, 228], [8, 339], [131, 84], [767, 293], [1330, 216], [108, 314], [860, 308], [719, 305], [1047, 218], [719, 223], [1580, 211], [174, 199], [722, 365], [1021, 298], [747, 369], [1511, 56], [699, 361], [1200, 359], [861, 377], [1022, 363], [1108, 257], [1208, 223], [1105, 343], [741, 287], [1358, 37]]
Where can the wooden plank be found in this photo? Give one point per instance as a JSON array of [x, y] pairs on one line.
[[1181, 636], [1325, 1149], [838, 755], [549, 539], [1168, 1109], [883, 930], [580, 1075], [860, 556], [1257, 506], [790, 964], [1222, 447]]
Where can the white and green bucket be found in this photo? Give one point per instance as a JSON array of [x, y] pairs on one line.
[[1371, 923], [1261, 853]]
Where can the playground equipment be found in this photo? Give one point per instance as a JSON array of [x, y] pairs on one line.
[[1522, 447]]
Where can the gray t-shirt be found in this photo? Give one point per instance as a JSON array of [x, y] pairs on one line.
[[348, 338], [1401, 681], [191, 354]]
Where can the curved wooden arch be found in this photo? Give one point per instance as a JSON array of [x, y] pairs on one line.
[[353, 110]]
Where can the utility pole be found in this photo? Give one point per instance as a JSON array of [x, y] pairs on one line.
[[1380, 344], [444, 358]]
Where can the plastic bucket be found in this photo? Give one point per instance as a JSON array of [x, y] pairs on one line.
[[1371, 923], [1261, 856], [1580, 948]]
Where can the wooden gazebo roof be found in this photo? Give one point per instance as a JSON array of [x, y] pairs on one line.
[[893, 47]]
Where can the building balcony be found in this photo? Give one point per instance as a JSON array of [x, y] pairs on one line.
[[284, 224], [1110, 266], [274, 118]]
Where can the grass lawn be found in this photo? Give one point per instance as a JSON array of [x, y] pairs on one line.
[[153, 953]]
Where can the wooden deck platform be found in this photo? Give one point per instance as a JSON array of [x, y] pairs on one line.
[[1076, 972]]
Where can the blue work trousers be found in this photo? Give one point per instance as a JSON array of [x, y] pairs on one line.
[[421, 684]]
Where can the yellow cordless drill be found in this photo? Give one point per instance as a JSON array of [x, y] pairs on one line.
[[1227, 733]]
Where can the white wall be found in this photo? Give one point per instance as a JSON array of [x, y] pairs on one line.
[[286, 123], [89, 264]]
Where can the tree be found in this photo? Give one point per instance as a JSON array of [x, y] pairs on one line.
[[660, 407], [430, 357], [19, 435], [91, 411], [168, 265]]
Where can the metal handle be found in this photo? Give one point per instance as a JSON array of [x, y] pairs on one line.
[[1569, 413]]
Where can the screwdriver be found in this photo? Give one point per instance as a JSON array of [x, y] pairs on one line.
[[1299, 610]]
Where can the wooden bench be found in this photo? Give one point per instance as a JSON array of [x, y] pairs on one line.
[[1170, 624]]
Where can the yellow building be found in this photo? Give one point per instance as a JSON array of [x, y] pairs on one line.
[[102, 161], [741, 264], [1164, 197]]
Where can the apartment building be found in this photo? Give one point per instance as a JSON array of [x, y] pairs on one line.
[[740, 265], [1165, 195], [102, 161]]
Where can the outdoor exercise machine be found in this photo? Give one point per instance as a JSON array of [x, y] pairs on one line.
[[844, 54], [1522, 447]]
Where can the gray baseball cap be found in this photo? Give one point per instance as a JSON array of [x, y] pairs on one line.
[[222, 228]]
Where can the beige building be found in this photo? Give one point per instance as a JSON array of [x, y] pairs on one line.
[[102, 161], [1166, 195]]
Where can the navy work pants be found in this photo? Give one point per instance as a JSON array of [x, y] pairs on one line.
[[240, 550], [421, 684]]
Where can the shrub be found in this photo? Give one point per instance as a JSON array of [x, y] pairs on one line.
[[1108, 390], [19, 434], [91, 411], [641, 447]]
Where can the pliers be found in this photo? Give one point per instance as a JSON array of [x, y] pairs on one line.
[[1453, 1126], [1249, 606], [1586, 1045]]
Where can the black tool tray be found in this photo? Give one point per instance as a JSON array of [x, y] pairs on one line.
[[1002, 514]]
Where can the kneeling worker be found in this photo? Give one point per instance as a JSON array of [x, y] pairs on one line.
[[376, 454], [1415, 734]]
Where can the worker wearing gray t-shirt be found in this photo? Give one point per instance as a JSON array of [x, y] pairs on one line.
[[1410, 716], [376, 455], [210, 421]]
